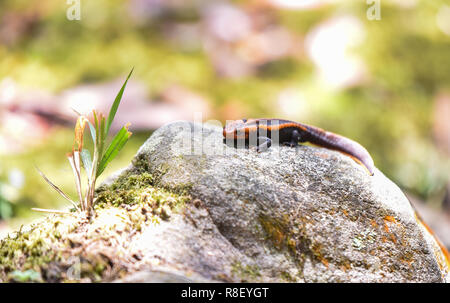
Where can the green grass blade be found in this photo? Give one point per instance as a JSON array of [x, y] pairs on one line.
[[113, 149], [74, 160], [56, 188], [92, 130], [115, 105], [96, 128], [87, 162], [102, 136]]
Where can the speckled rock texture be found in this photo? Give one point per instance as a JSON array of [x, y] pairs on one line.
[[303, 214]]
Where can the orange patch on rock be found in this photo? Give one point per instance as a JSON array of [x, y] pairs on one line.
[[386, 227], [390, 219], [393, 238]]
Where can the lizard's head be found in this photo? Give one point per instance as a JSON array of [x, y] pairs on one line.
[[237, 129], [232, 128]]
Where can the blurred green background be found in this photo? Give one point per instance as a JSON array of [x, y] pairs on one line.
[[384, 83]]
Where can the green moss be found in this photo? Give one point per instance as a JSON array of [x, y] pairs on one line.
[[141, 168], [50, 246], [145, 203], [287, 277], [25, 276], [245, 273], [133, 181], [25, 252], [48, 251], [37, 255], [140, 162]]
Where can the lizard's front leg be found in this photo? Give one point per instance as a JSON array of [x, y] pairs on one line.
[[295, 138], [263, 144]]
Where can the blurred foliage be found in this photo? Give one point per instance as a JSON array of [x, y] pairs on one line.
[[405, 54], [5, 208]]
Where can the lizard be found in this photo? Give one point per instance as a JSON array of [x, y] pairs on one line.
[[290, 133]]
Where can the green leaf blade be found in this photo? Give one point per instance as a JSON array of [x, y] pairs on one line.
[[103, 135], [87, 161], [92, 130], [115, 105], [113, 149], [56, 188]]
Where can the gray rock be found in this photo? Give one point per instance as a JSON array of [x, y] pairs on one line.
[[302, 214], [151, 276]]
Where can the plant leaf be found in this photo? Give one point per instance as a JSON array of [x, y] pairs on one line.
[[74, 160], [102, 135], [92, 130], [96, 125], [56, 188], [113, 149], [115, 105], [75, 111], [87, 162], [79, 132], [94, 113]]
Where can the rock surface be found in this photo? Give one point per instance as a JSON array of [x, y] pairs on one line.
[[302, 214], [191, 209]]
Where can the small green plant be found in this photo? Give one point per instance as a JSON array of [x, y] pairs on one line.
[[93, 166]]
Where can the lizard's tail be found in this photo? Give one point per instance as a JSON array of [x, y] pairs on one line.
[[341, 144]]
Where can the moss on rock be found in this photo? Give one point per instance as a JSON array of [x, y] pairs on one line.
[[65, 248], [245, 272]]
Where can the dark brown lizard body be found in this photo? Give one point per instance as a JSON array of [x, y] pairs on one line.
[[265, 132]]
